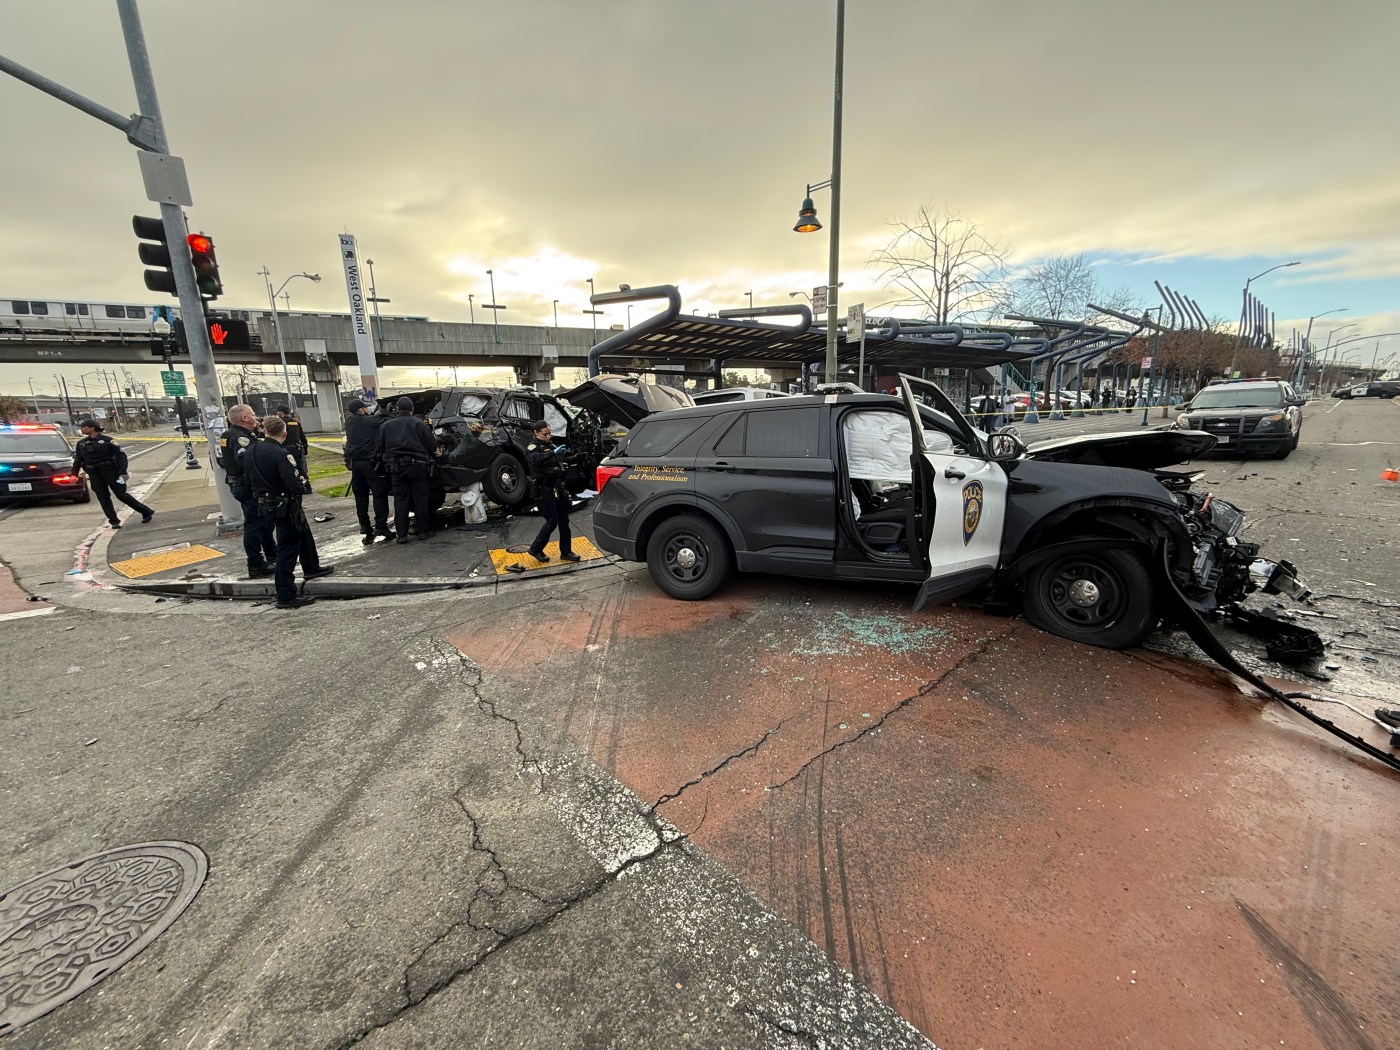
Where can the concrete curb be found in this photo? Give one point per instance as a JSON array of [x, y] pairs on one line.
[[346, 586]]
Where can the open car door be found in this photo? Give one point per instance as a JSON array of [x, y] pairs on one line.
[[961, 493]]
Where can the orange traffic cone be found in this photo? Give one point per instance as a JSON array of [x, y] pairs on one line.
[[1390, 474]]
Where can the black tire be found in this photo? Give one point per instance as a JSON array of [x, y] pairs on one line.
[[1296, 436], [1282, 453], [1116, 610], [507, 482], [86, 497], [689, 558]]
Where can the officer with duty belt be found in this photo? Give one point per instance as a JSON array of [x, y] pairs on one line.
[[105, 464], [235, 445], [296, 443], [552, 496], [278, 488], [366, 470], [407, 446]]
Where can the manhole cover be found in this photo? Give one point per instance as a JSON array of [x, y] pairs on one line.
[[65, 930]]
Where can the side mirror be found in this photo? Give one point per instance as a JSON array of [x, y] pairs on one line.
[[1179, 408], [1005, 446], [1298, 401]]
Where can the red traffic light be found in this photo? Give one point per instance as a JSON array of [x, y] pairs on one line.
[[199, 243]]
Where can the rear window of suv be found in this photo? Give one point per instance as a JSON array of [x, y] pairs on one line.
[[1239, 397], [657, 437]]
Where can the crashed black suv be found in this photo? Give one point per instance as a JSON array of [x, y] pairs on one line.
[[1094, 539], [482, 432]]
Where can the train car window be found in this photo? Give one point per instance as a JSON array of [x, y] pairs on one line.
[[139, 312], [82, 309], [70, 309], [19, 308], [115, 311], [39, 309]]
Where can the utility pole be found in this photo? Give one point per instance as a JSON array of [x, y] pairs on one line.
[[63, 384]]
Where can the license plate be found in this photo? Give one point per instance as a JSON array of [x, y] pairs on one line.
[[1224, 439], [21, 486]]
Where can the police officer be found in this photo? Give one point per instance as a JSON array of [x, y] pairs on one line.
[[235, 446], [408, 447], [551, 494], [105, 464], [296, 442], [272, 471], [366, 470]]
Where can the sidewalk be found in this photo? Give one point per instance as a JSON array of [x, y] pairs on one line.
[[181, 551]]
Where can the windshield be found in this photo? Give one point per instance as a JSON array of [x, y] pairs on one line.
[[25, 444], [1239, 397]]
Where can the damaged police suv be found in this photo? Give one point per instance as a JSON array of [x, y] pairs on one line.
[[1090, 535]]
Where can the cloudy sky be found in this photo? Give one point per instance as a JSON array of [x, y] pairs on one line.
[[660, 141]]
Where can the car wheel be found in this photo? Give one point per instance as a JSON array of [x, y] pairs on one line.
[[506, 481], [86, 497], [1297, 434], [689, 558], [1102, 598], [1284, 452]]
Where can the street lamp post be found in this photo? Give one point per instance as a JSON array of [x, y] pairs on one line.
[[374, 298], [807, 216], [1244, 309], [314, 278], [749, 293], [595, 313], [1307, 346], [556, 313], [161, 327], [471, 306], [494, 307]]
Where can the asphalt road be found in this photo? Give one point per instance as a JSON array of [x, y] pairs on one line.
[[578, 814]]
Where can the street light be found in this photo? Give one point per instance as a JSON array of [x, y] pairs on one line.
[[595, 313], [1244, 309], [314, 278], [794, 295], [161, 327], [492, 306], [471, 306], [1307, 344], [374, 298], [807, 215], [749, 293], [556, 313]]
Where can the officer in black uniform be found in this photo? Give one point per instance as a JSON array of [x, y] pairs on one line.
[[272, 471], [296, 442], [551, 494], [407, 446], [235, 445], [106, 468], [366, 471]]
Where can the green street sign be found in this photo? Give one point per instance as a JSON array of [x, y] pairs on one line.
[[174, 383]]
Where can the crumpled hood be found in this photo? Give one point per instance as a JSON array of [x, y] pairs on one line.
[[1143, 450], [625, 399]]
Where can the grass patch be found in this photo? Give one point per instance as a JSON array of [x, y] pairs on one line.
[[327, 472]]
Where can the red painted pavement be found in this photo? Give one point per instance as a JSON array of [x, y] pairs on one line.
[[1013, 840]]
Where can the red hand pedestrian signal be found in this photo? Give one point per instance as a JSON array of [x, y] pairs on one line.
[[218, 333]]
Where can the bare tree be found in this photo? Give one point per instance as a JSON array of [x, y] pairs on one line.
[[1060, 287], [12, 409], [943, 264]]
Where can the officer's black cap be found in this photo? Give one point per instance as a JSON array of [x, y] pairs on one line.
[[89, 422], [405, 404], [282, 408], [354, 405]]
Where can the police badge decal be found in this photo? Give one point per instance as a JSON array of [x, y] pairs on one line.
[[972, 509]]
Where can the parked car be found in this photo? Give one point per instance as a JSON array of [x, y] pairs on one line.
[[1384, 388], [36, 462], [735, 393], [1248, 415], [482, 432], [867, 487]]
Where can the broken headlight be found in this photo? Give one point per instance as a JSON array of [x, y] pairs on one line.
[[1277, 577]]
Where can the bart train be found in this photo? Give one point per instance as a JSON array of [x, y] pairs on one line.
[[67, 315]]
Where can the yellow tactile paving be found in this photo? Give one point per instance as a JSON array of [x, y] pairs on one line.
[[501, 558], [153, 563]]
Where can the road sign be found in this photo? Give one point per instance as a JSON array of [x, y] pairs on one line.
[[1146, 363], [819, 299], [174, 384], [855, 323]]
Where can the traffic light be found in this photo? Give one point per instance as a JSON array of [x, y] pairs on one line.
[[155, 254], [227, 333], [206, 267]]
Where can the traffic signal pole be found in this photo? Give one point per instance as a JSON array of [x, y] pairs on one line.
[[208, 397]]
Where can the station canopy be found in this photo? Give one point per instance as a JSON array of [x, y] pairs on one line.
[[749, 341]]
